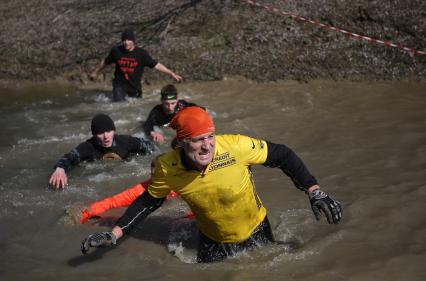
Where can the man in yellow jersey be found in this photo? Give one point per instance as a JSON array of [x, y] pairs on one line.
[[212, 174]]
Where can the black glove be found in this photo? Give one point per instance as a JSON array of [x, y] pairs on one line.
[[101, 239], [322, 202]]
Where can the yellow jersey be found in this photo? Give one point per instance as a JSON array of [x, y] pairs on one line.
[[223, 197]]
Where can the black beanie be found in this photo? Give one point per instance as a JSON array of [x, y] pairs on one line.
[[169, 92], [102, 123], [128, 35]]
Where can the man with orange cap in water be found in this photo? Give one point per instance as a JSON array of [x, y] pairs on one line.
[[212, 175]]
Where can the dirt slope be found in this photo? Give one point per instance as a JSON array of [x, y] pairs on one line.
[[207, 40]]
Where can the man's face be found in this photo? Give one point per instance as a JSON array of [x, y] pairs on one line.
[[129, 45], [200, 150], [169, 106], [106, 138]]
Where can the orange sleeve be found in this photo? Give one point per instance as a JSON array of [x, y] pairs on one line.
[[122, 199]]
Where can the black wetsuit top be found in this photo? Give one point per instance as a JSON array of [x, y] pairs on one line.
[[157, 117], [91, 149], [129, 66]]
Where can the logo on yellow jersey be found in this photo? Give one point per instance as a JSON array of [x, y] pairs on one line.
[[221, 161]]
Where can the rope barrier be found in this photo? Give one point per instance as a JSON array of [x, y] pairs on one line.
[[413, 51]]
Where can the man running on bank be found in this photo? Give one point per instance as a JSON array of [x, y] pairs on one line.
[[212, 174], [129, 61], [104, 144], [162, 114]]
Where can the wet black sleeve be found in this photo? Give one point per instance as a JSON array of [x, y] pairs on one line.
[[140, 145], [68, 161], [151, 121], [148, 126], [284, 158], [82, 152], [144, 205]]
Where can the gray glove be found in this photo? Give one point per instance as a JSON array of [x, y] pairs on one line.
[[322, 202], [101, 239]]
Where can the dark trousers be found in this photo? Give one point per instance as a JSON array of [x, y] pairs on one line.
[[211, 251], [120, 92]]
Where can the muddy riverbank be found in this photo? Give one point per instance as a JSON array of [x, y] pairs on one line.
[[209, 40]]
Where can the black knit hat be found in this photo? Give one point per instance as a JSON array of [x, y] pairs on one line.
[[128, 35], [169, 92], [102, 123]]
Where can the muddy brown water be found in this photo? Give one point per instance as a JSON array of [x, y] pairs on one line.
[[365, 143]]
